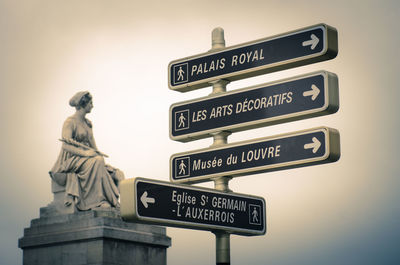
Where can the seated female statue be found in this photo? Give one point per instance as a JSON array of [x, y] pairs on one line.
[[89, 182]]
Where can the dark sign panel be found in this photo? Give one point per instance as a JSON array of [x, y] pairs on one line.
[[297, 98], [163, 203], [315, 146], [301, 47]]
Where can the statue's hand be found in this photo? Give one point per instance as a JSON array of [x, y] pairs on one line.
[[90, 153]]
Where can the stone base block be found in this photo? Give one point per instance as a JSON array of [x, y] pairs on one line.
[[96, 237]]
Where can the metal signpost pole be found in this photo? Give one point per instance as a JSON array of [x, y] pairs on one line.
[[221, 113], [222, 239]]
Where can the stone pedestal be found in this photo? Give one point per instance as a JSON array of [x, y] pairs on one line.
[[96, 237]]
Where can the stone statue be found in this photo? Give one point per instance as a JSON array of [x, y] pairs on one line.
[[82, 225], [80, 168]]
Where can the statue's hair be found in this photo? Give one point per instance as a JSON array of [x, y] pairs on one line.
[[85, 99], [80, 99]]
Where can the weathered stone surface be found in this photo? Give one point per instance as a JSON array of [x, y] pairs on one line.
[[57, 207], [97, 237]]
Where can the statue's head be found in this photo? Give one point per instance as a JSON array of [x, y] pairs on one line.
[[80, 99]]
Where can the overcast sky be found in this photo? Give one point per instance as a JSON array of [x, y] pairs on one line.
[[346, 212]]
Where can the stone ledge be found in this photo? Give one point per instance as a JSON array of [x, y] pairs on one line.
[[94, 233], [91, 225]]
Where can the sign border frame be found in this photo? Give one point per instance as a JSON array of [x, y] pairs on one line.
[[332, 154], [329, 51], [129, 206], [331, 106]]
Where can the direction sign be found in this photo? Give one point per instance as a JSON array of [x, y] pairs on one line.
[[164, 203], [304, 148], [292, 49], [296, 98]]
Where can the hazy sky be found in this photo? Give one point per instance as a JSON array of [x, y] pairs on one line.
[[346, 212]]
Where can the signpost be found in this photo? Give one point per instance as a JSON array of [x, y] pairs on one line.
[[299, 149], [163, 203], [305, 46], [296, 98], [219, 210]]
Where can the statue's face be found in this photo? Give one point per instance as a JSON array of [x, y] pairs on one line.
[[89, 106]]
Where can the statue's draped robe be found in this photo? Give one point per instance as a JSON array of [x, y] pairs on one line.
[[88, 179]]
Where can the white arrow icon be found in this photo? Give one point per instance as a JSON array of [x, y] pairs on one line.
[[314, 145], [313, 42], [145, 200], [314, 92]]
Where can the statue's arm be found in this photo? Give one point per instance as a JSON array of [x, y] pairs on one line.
[[92, 141], [67, 132]]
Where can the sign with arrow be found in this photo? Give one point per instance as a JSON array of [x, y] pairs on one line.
[[146, 200], [292, 49], [292, 99], [312, 43], [167, 204], [299, 149]]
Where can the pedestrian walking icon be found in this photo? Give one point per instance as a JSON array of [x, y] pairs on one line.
[[180, 73], [181, 120], [254, 214], [182, 167]]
